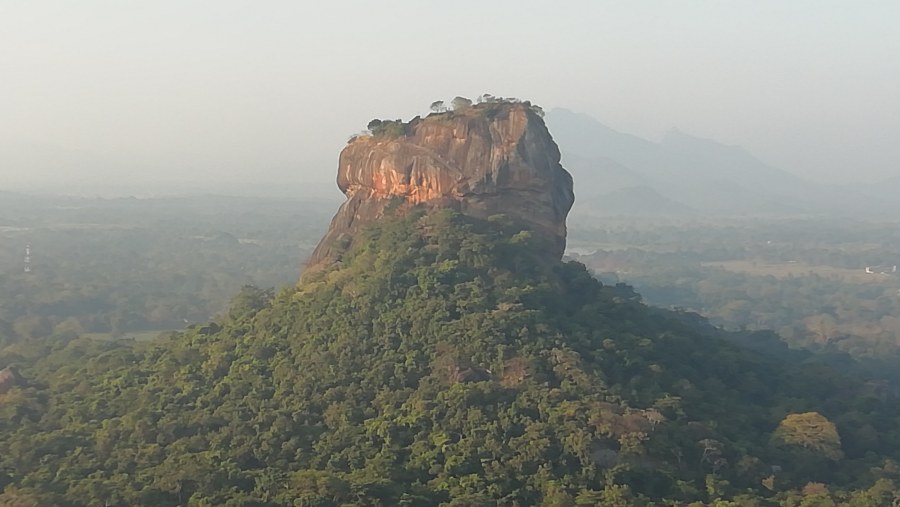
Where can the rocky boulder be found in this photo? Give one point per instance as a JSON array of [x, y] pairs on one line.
[[484, 160]]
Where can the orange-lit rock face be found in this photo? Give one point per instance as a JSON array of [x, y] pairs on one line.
[[477, 163]]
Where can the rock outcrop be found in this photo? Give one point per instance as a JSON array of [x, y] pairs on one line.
[[485, 160], [9, 378]]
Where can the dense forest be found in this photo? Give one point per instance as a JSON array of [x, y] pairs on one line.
[[803, 277], [136, 267], [444, 361]]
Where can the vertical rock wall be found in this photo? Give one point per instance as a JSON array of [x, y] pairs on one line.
[[485, 160]]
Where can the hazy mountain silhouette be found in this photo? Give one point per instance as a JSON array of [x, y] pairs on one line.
[[885, 190], [639, 200], [699, 174]]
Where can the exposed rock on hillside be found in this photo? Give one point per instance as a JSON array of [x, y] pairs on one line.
[[9, 378], [484, 160]]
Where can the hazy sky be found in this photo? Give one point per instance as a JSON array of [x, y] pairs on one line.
[[268, 91]]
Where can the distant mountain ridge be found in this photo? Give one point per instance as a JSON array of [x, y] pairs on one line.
[[696, 173], [639, 200]]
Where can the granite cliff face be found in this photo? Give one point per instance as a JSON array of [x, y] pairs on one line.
[[485, 160]]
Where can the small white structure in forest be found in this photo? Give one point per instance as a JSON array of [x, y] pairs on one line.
[[881, 270]]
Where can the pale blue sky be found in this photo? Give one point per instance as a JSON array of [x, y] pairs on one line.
[[228, 90]]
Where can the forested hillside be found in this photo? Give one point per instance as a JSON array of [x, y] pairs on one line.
[[443, 361]]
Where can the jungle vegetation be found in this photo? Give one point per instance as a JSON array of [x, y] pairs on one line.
[[444, 361]]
